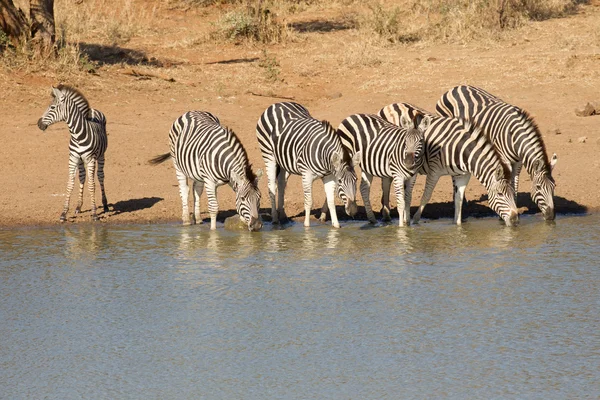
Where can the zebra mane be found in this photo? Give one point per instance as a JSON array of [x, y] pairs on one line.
[[469, 126], [250, 175], [528, 119], [83, 104]]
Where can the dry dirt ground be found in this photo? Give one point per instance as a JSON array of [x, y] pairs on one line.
[[549, 68]]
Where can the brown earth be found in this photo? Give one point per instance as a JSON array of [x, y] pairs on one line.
[[549, 68]]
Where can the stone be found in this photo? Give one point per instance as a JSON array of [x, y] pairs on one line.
[[234, 223], [582, 139], [588, 110]]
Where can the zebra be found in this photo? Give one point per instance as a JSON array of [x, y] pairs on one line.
[[293, 142], [460, 149], [211, 155], [390, 152], [88, 143], [514, 133]]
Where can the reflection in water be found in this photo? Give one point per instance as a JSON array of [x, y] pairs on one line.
[[185, 312]]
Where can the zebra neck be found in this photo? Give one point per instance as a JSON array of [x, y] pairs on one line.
[[77, 123]]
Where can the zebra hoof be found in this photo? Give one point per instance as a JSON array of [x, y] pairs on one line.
[[63, 218], [94, 217], [106, 208], [77, 210]]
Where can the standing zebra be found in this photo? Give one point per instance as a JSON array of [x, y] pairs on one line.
[[389, 152], [460, 149], [292, 142], [87, 145], [211, 155], [514, 133]]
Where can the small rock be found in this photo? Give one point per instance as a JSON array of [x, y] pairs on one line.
[[589, 109], [335, 95], [569, 141], [432, 59], [582, 139], [235, 224], [555, 131]]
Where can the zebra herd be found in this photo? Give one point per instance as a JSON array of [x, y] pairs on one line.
[[473, 133]]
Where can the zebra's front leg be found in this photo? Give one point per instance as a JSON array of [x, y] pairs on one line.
[[324, 210], [399, 183], [91, 172], [365, 192], [329, 183], [184, 191], [460, 183], [197, 188], [515, 172], [73, 165], [101, 182], [271, 168], [307, 181], [386, 183], [409, 185], [281, 184], [429, 186], [81, 169], [213, 206]]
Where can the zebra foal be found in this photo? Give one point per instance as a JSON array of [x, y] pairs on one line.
[[87, 145], [387, 151], [293, 142], [211, 155], [459, 149], [515, 135]]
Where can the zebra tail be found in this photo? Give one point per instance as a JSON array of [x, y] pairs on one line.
[[159, 159]]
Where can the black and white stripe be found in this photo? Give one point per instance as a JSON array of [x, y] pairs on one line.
[[211, 155], [87, 146], [293, 142], [514, 133], [460, 149], [389, 152]]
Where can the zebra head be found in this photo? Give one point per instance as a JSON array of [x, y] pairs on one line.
[[247, 197], [412, 151], [56, 112], [543, 187], [502, 196], [345, 178]]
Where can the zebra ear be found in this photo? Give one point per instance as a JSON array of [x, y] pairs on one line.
[[356, 158], [56, 92], [553, 161], [499, 173], [538, 165], [425, 122], [235, 180], [336, 160], [405, 122]]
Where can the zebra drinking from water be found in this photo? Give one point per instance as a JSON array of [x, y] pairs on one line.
[[211, 155], [459, 149], [293, 142], [389, 152], [88, 143], [514, 133]]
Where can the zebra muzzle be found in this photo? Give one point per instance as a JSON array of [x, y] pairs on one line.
[[549, 214], [255, 224], [41, 125], [351, 208]]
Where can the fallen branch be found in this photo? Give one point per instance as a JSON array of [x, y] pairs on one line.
[[276, 96], [146, 75]]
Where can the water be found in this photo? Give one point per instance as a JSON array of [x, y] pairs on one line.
[[172, 312]]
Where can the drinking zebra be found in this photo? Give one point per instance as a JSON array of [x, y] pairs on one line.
[[88, 143], [460, 149], [389, 152], [514, 133], [211, 155], [293, 142]]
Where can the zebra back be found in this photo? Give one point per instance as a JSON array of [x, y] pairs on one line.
[[464, 102], [394, 112]]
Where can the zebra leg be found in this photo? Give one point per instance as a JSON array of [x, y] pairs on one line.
[[184, 193], [213, 206], [91, 172], [324, 210], [429, 186], [365, 191], [307, 181], [281, 184], [81, 169], [516, 171], [271, 168], [403, 219], [409, 185], [329, 183], [386, 183], [197, 188], [460, 183], [101, 181], [73, 165]]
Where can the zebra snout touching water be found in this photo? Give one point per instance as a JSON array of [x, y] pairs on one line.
[[515, 135], [87, 145], [293, 142], [390, 152], [211, 155]]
